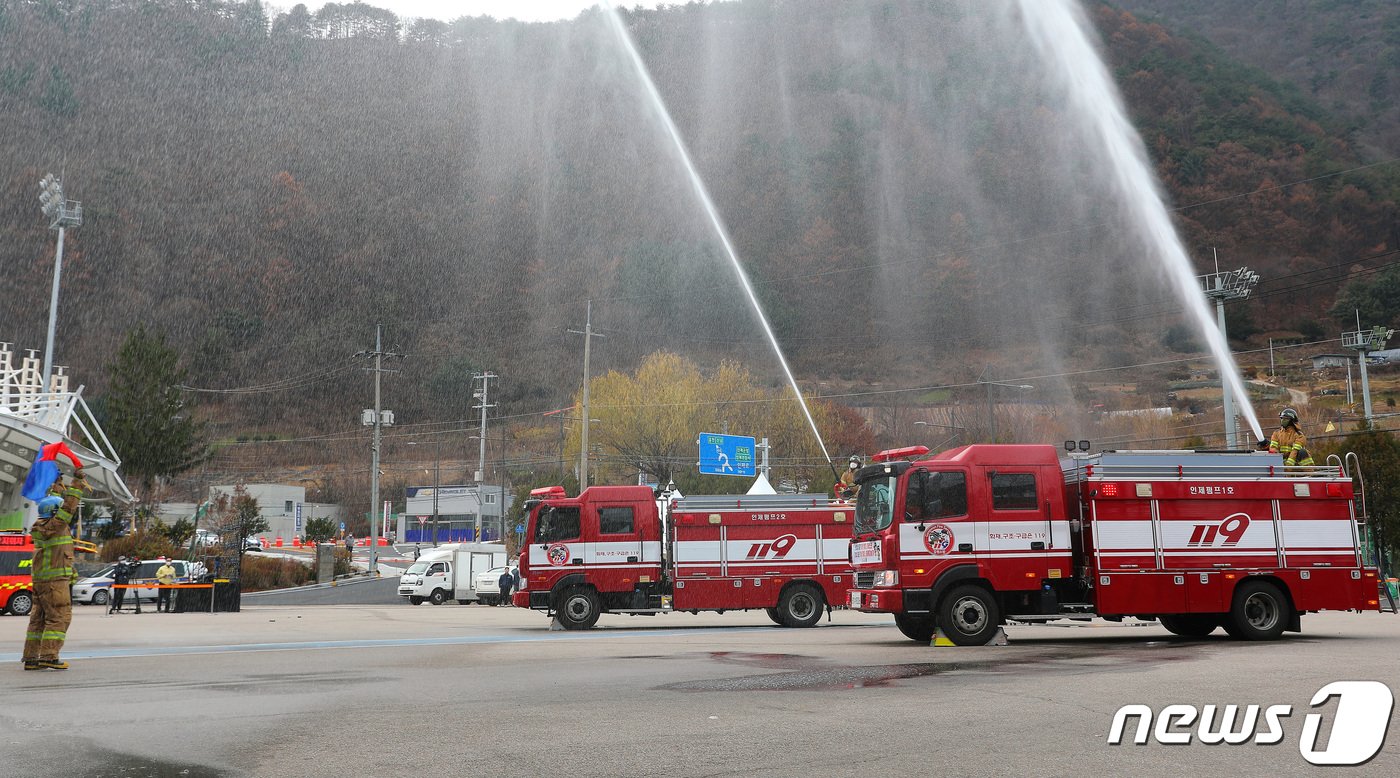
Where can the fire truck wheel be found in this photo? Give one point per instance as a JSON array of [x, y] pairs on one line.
[[438, 597], [800, 606], [917, 628], [99, 597], [1190, 625], [21, 604], [773, 614], [969, 615], [578, 608], [1260, 612]]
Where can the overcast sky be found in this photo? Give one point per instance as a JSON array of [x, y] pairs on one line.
[[448, 10]]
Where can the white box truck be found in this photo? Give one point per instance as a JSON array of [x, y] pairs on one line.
[[449, 572]]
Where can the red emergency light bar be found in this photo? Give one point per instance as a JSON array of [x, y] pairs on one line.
[[900, 453], [549, 493]]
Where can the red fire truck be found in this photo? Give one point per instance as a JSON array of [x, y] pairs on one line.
[[617, 549], [984, 534], [16, 592]]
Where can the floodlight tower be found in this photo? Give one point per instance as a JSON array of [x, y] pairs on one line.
[[61, 214], [1230, 285], [1366, 341]]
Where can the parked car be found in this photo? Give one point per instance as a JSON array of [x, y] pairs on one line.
[[488, 585], [96, 589], [252, 544]]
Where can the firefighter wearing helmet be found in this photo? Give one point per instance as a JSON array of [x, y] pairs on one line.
[[847, 488], [52, 575], [1289, 440]]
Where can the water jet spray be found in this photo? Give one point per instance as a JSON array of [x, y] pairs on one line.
[[1057, 30], [712, 214]]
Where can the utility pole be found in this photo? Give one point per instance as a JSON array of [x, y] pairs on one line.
[[378, 417], [483, 396], [1218, 286], [588, 336]]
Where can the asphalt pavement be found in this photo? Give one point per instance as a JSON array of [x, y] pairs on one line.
[[478, 691], [360, 590]]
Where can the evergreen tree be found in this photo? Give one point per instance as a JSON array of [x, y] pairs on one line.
[[1379, 454], [148, 422]]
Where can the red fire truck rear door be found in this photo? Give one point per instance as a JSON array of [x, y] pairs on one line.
[[1211, 531], [698, 565], [1318, 533], [1123, 540]]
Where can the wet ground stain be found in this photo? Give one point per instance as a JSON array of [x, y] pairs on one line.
[[804, 673], [102, 763]]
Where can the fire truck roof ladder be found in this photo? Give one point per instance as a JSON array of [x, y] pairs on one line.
[[756, 502], [1376, 540], [1166, 465]]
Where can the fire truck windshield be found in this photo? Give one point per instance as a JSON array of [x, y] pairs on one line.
[[875, 504]]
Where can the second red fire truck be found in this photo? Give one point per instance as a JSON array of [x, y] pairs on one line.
[[618, 549], [16, 591], [984, 534]]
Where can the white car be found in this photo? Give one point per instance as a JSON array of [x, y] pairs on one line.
[[488, 586], [97, 589]]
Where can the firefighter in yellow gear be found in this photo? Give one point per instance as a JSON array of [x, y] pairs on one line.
[[1289, 441], [846, 488], [52, 575]]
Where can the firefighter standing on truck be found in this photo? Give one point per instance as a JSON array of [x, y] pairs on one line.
[[1289, 441], [52, 575], [846, 488]]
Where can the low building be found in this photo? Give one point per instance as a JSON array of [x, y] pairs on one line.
[[285, 508], [1324, 361], [456, 508]]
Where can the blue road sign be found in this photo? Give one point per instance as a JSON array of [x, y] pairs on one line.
[[726, 454]]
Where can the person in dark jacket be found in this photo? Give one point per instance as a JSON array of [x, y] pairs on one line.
[[507, 584], [121, 576]]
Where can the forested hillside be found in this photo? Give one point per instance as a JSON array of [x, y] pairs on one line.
[[1345, 54], [265, 190]]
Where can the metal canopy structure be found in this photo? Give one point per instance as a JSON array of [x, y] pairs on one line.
[[30, 419]]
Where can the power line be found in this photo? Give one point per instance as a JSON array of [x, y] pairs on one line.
[[280, 385]]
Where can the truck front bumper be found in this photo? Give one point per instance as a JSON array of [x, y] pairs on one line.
[[876, 600]]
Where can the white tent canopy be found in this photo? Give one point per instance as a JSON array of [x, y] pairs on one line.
[[761, 486]]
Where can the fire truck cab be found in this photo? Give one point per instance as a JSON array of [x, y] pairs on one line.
[[984, 534], [16, 591], [620, 549]]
